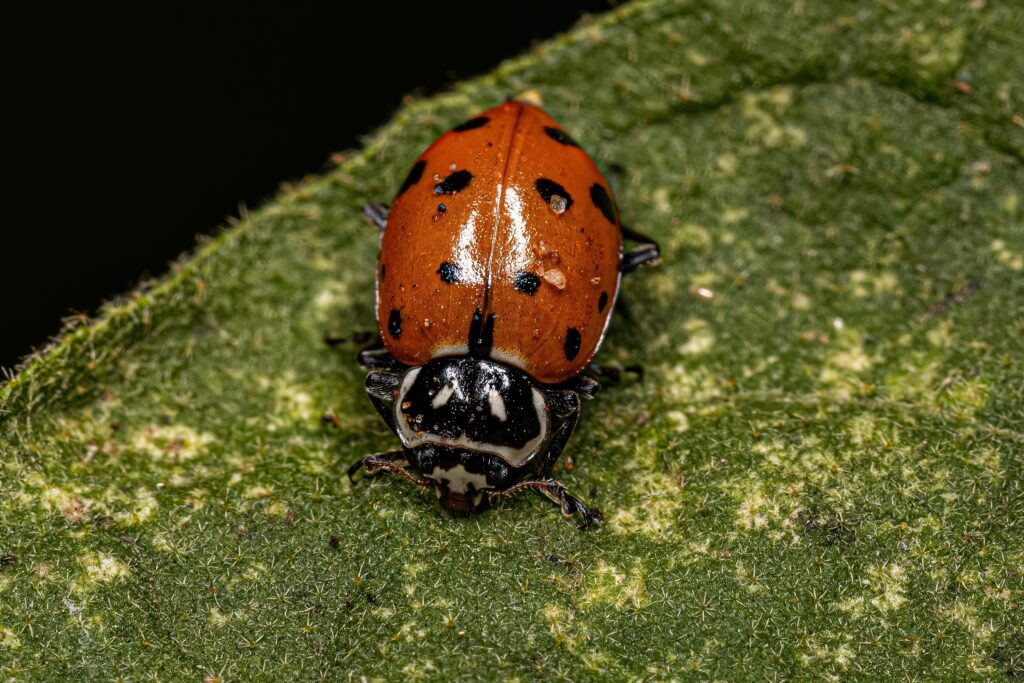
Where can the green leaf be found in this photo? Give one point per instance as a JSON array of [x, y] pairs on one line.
[[819, 477]]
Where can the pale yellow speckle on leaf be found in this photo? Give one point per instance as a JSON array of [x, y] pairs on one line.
[[763, 111], [259, 491], [8, 640], [885, 591], [1012, 259], [726, 163], [864, 284], [936, 53], [170, 443], [678, 420], [216, 618], [614, 587], [97, 568], [420, 669], [659, 493], [562, 626], [697, 57], [735, 214], [755, 510], [142, 506], [966, 616], [704, 278], [940, 336], [699, 337], [660, 197], [822, 647], [293, 401], [333, 296], [846, 363], [1011, 203], [690, 236], [160, 543], [686, 386], [278, 510]]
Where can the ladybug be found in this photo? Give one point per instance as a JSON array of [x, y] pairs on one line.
[[499, 265]]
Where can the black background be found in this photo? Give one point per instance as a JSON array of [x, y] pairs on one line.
[[126, 135]]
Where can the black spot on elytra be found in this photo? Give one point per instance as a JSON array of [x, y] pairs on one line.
[[471, 124], [602, 301], [549, 188], [414, 177], [449, 272], [383, 271], [602, 201], [454, 182], [395, 323], [527, 283], [561, 136], [572, 343]]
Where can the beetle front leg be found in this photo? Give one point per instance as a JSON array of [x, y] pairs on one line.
[[558, 494], [395, 461]]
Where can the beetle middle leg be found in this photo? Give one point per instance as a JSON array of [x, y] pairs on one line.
[[613, 373], [394, 461], [648, 253], [377, 214]]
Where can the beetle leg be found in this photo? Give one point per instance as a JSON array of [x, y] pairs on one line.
[[380, 388], [648, 253], [613, 373], [585, 386], [377, 214], [359, 337], [564, 404], [558, 494], [395, 461], [374, 358]]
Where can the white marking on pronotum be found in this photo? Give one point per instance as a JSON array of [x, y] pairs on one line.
[[458, 479], [497, 404], [442, 396]]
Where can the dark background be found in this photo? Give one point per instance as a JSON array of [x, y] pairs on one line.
[[126, 135]]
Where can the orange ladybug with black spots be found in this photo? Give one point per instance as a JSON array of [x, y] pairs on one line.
[[499, 265]]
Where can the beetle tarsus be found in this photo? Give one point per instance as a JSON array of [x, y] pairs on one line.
[[571, 505], [377, 214], [587, 387], [647, 254], [614, 373], [357, 337]]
